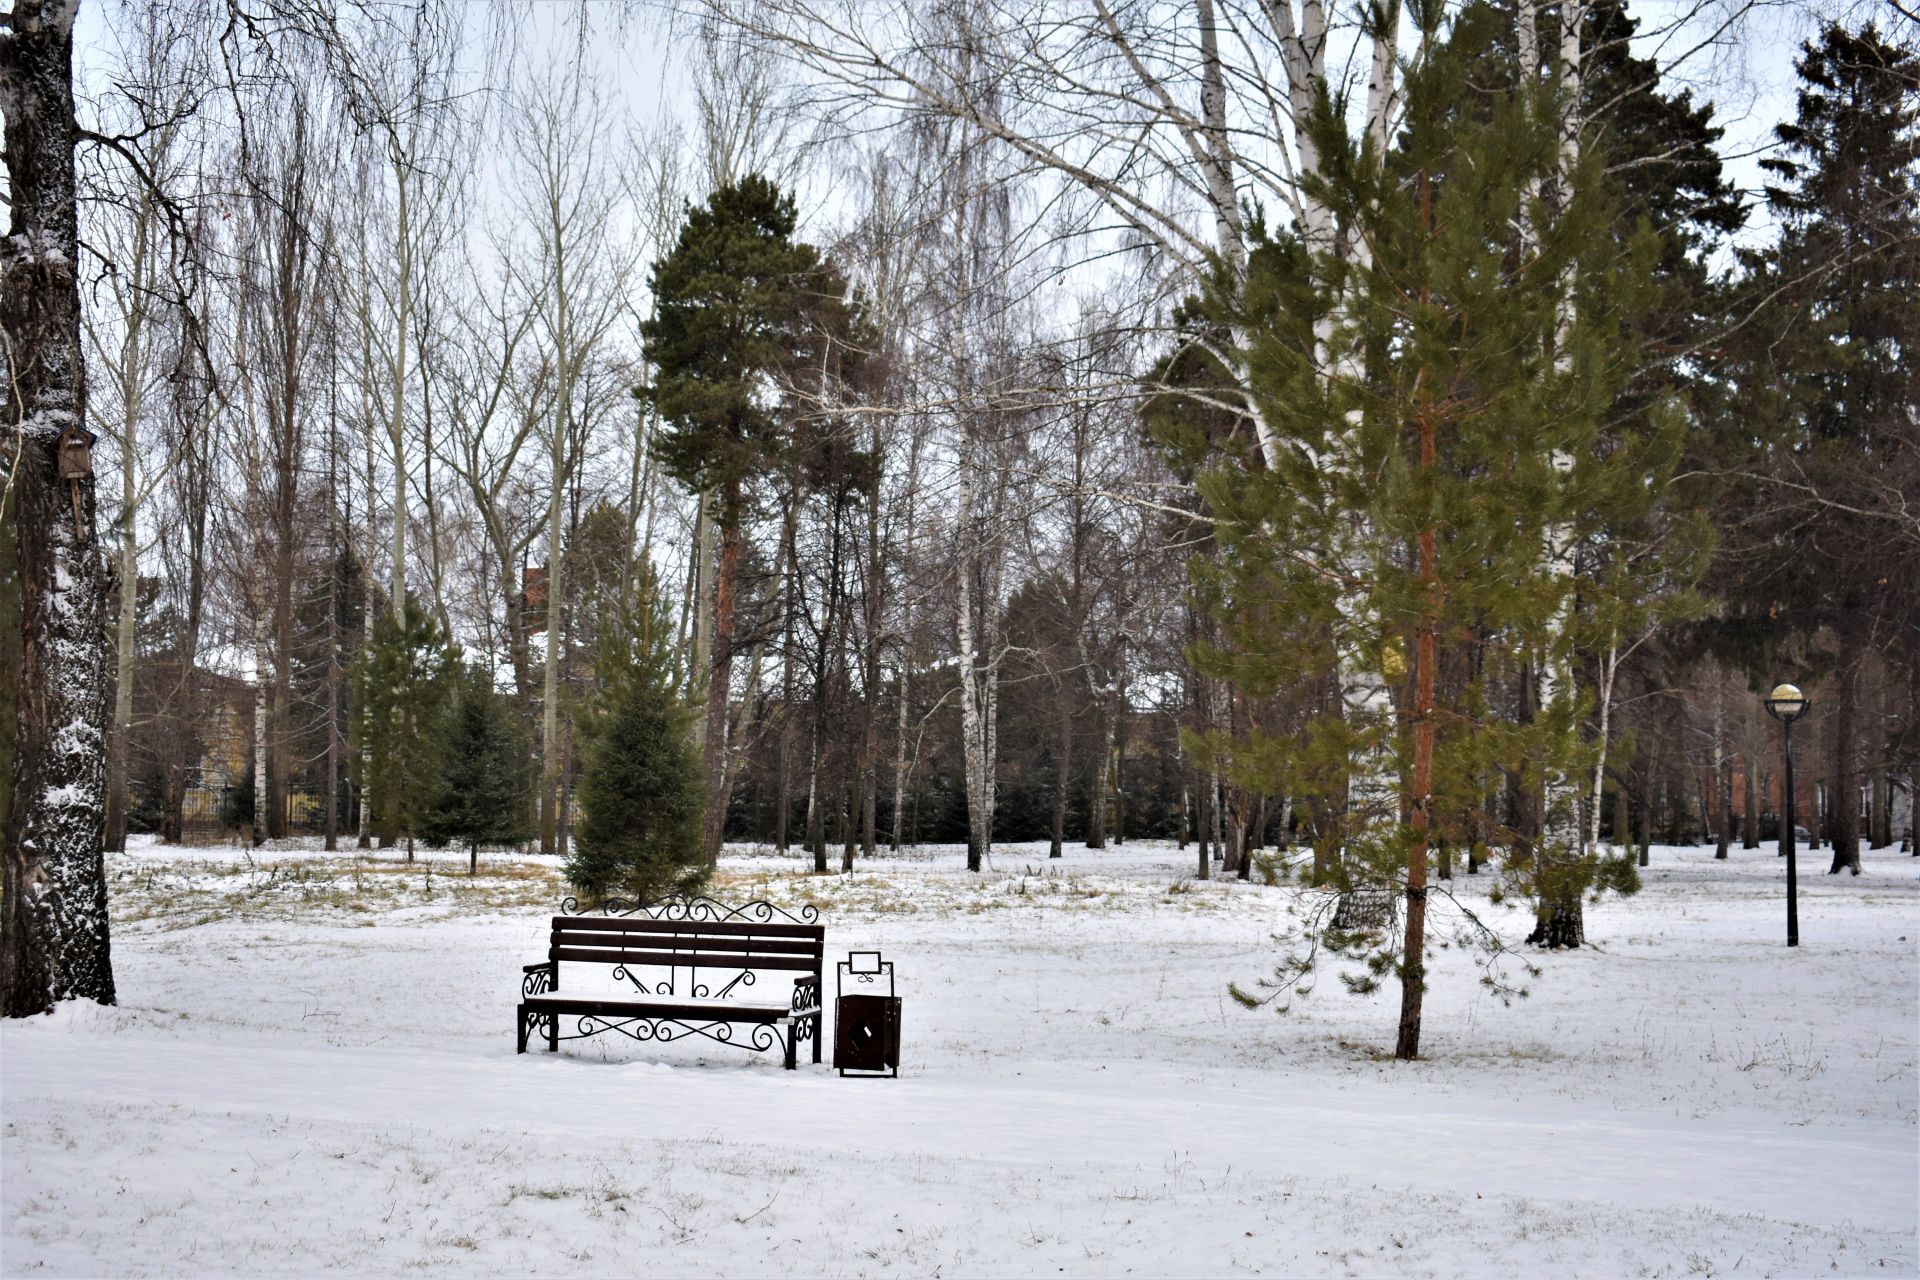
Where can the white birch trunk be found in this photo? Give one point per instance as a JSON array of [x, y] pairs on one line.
[[262, 706], [972, 714], [1609, 668]]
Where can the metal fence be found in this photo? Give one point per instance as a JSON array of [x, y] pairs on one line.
[[220, 815]]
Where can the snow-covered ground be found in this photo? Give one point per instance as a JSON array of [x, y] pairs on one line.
[[312, 1069]]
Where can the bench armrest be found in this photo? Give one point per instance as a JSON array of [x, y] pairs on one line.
[[806, 994], [539, 978]]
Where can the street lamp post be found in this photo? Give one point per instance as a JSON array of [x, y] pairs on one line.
[[1787, 704]]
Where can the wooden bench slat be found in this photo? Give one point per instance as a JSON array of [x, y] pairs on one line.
[[641, 924], [617, 1007], [685, 942], [683, 959]]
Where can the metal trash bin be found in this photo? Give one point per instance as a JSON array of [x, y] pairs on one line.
[[866, 1024]]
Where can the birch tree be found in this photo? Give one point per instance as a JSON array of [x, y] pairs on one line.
[[126, 333], [53, 904], [577, 277]]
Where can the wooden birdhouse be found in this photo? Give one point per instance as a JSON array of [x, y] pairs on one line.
[[74, 451]]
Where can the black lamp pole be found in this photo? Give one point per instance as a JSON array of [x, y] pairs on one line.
[[1793, 885], [1787, 704]]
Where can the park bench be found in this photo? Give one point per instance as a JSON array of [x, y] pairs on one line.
[[692, 964]]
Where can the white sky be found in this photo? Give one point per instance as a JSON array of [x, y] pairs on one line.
[[1749, 79]]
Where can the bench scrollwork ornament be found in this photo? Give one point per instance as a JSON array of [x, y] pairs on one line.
[[700, 910]]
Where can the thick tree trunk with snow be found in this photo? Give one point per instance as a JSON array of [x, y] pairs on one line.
[[53, 925]]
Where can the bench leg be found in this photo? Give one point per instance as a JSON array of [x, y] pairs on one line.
[[553, 1032], [793, 1044], [818, 1027], [520, 1030]]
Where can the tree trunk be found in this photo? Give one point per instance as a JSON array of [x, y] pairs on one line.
[[790, 600], [53, 913], [262, 711], [1244, 838], [1750, 821], [1843, 802], [1723, 802], [816, 831], [1882, 816], [1560, 912], [901, 682], [118, 739], [1063, 775], [1203, 826], [849, 806], [783, 776], [726, 581], [974, 735], [1477, 849], [1413, 966], [1649, 795], [1100, 784]]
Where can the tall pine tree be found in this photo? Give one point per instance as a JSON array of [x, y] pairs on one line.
[[1419, 486], [740, 308]]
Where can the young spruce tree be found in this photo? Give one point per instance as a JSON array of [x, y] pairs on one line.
[[1421, 482], [486, 784], [404, 685], [643, 798]]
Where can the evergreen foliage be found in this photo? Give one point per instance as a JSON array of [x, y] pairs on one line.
[[1431, 490], [739, 307], [404, 687], [751, 333], [1821, 438], [486, 782], [643, 800]]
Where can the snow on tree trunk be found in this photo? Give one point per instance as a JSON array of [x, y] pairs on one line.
[[262, 710], [54, 918], [117, 742], [904, 677], [974, 735]]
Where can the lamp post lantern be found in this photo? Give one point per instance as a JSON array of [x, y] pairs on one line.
[[1787, 704]]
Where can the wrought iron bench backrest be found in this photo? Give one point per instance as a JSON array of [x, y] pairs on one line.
[[684, 936]]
